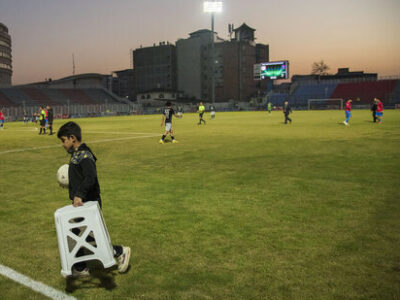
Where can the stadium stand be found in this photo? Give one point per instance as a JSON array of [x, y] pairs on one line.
[[35, 96], [277, 99], [4, 101], [18, 97], [366, 91], [304, 92], [77, 96], [38, 97], [395, 97]]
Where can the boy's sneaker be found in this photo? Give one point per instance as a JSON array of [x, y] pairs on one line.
[[345, 123], [161, 141], [84, 273], [123, 259], [174, 141]]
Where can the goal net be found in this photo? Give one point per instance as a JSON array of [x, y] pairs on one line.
[[320, 104]]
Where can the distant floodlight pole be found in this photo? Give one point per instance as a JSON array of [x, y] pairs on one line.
[[212, 7]]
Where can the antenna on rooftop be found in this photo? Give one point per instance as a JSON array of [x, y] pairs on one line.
[[73, 64]]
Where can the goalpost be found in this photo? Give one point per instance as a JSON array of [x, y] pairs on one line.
[[319, 104]]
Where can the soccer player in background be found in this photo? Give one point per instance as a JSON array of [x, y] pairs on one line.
[[1, 119], [269, 106], [83, 187], [379, 110], [286, 111], [180, 110], [201, 109], [167, 122], [50, 118], [212, 111], [25, 117], [42, 120], [347, 112], [373, 109], [47, 116]]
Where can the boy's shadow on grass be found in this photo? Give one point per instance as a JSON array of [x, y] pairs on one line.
[[99, 278]]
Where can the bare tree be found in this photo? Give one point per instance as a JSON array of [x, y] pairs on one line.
[[320, 68]]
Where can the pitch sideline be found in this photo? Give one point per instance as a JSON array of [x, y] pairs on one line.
[[37, 286], [89, 142]]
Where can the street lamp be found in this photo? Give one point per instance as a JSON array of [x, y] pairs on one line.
[[212, 7]]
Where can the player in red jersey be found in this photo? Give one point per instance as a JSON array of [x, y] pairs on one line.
[[348, 112], [379, 110], [1, 119]]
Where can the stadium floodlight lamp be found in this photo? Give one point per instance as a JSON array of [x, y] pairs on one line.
[[212, 6]]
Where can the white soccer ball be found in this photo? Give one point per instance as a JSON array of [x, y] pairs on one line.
[[62, 175]]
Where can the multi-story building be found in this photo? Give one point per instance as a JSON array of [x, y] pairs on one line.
[[233, 65], [235, 60], [155, 68], [123, 83], [5, 56], [194, 64]]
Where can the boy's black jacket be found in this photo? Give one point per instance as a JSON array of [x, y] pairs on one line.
[[82, 175]]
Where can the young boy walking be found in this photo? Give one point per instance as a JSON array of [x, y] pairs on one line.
[[84, 186], [167, 122]]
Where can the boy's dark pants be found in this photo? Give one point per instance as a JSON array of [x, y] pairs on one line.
[[374, 115]]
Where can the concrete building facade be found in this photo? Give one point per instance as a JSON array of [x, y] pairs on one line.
[[5, 56], [193, 61], [233, 65], [123, 83], [155, 68]]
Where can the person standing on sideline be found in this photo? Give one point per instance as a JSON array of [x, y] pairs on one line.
[[201, 111], [286, 111], [167, 121], [42, 120], [269, 106], [83, 187], [47, 115], [50, 119], [379, 110], [348, 112], [373, 109], [1, 119]]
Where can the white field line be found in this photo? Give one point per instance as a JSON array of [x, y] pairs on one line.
[[119, 132], [102, 132], [90, 142], [34, 285]]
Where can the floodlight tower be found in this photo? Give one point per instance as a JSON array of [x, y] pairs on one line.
[[212, 7]]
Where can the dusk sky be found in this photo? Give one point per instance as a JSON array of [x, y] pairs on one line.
[[359, 34]]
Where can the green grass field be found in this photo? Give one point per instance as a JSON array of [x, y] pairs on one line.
[[242, 208]]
